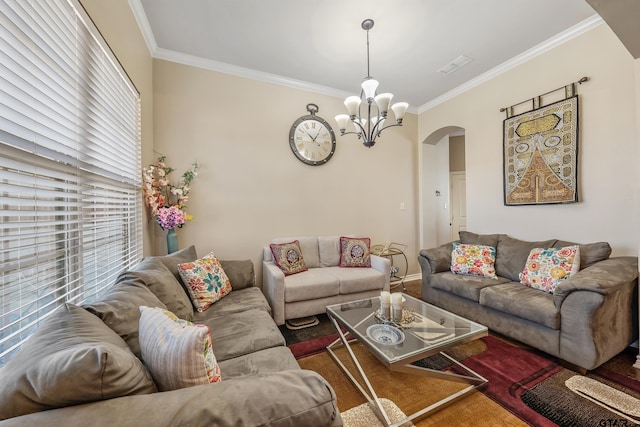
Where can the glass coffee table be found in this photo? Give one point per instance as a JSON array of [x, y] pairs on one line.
[[425, 330]]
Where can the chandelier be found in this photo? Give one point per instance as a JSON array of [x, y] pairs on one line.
[[370, 125]]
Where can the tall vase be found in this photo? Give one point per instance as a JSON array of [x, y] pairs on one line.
[[172, 241]]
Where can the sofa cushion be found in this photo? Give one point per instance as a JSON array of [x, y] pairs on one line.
[[590, 253], [473, 260], [354, 252], [288, 257], [468, 287], [547, 267], [172, 260], [439, 258], [178, 353], [312, 284], [508, 298], [329, 250], [242, 333], [470, 238], [308, 246], [353, 280], [240, 273], [274, 359], [72, 358], [235, 302], [165, 286], [205, 280], [512, 254], [118, 308]]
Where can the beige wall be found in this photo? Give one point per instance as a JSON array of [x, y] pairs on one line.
[[118, 26], [251, 188], [608, 151]]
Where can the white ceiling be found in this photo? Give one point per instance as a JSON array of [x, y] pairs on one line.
[[320, 46]]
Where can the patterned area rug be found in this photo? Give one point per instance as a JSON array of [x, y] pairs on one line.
[[533, 385], [569, 399], [363, 416], [309, 341]]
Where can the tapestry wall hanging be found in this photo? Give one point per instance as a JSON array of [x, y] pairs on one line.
[[540, 153]]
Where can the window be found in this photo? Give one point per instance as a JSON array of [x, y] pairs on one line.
[[70, 190]]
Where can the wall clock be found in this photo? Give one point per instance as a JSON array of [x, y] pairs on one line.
[[311, 138]]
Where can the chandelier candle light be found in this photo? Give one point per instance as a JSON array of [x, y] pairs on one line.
[[370, 126]]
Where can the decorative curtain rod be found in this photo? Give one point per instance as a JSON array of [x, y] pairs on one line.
[[582, 80]]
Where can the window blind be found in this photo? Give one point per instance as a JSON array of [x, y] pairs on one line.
[[70, 181]]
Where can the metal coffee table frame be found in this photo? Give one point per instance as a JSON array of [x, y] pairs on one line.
[[403, 362]]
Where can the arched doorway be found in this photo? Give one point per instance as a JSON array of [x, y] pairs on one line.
[[441, 204]]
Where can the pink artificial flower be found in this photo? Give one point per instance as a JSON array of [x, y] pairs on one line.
[[165, 200], [170, 217]]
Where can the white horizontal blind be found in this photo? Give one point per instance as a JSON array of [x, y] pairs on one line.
[[70, 190]]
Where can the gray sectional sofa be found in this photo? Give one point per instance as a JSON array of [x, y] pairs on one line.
[[83, 366], [589, 318], [324, 283]]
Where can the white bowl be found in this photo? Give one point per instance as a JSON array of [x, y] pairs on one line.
[[385, 334]]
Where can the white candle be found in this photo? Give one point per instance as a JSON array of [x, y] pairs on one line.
[[396, 307], [396, 299], [385, 305], [385, 297]]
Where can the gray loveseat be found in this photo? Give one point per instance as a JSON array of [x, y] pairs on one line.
[[83, 367], [589, 318], [324, 283]]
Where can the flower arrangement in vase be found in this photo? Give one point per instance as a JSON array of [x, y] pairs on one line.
[[168, 201]]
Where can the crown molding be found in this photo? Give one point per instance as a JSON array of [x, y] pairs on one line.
[[563, 37], [248, 73], [143, 24], [195, 61], [222, 67]]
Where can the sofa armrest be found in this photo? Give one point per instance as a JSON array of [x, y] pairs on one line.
[[603, 277], [273, 289], [241, 273], [287, 398], [598, 311], [383, 265], [439, 259]]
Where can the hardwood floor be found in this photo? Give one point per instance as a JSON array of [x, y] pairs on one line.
[[414, 288]]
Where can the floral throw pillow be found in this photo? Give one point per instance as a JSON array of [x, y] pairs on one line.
[[354, 252], [473, 260], [547, 267], [288, 257], [205, 280], [177, 352]]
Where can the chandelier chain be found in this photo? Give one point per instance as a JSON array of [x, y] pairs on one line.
[[369, 127], [368, 69]]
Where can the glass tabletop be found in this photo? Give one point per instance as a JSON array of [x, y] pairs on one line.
[[425, 329]]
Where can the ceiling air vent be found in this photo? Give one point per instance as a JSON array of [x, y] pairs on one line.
[[456, 64]]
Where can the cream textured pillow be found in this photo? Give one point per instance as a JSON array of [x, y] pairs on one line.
[[205, 280], [178, 353]]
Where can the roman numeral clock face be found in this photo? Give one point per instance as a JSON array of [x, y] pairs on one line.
[[312, 140]]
